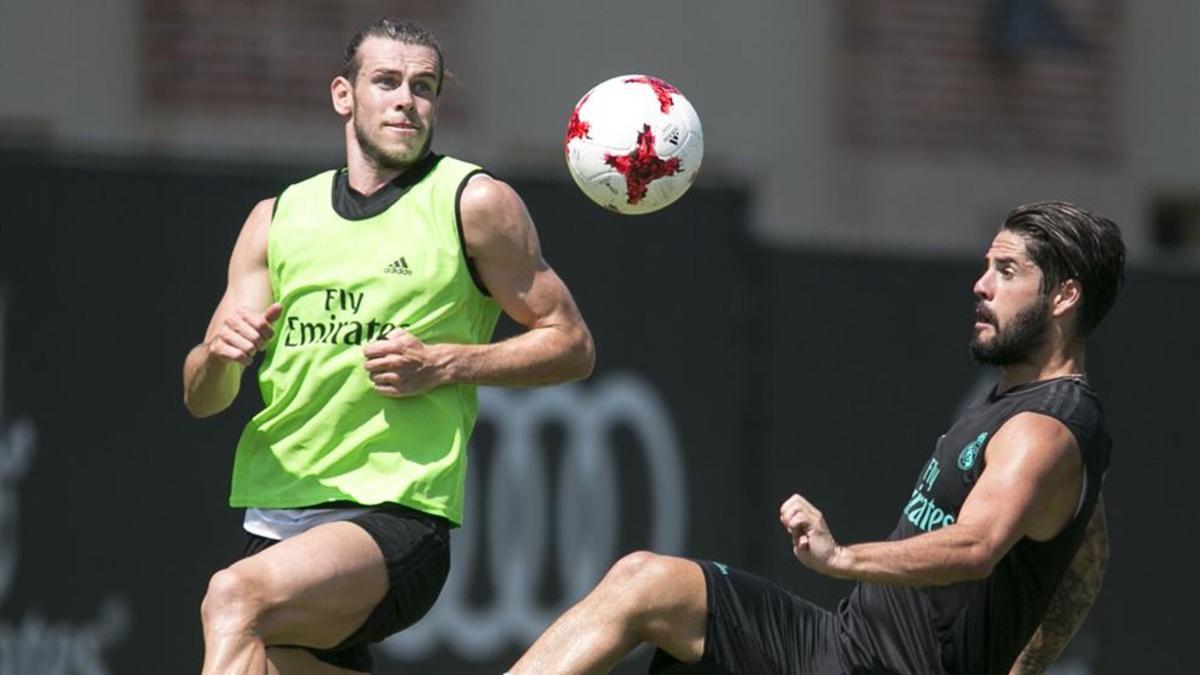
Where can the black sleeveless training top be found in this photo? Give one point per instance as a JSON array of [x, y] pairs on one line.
[[979, 627]]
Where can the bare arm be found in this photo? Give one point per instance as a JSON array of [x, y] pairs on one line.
[[239, 327], [555, 347], [1029, 488], [1074, 597]]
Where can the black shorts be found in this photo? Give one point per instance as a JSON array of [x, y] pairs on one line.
[[416, 549], [758, 628]]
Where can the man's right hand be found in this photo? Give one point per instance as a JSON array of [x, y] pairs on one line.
[[243, 334]]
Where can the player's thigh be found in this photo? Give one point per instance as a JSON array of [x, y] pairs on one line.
[[318, 587], [756, 625], [678, 602], [300, 662]]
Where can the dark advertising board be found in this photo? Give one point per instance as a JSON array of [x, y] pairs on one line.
[[728, 376]]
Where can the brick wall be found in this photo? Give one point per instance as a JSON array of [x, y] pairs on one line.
[[268, 56], [1008, 79]]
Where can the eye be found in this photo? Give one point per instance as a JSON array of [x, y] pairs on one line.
[[387, 82], [422, 87]]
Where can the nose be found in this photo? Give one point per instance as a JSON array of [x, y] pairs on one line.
[[983, 286], [402, 98]]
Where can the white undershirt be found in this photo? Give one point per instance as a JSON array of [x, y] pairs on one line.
[[284, 523]]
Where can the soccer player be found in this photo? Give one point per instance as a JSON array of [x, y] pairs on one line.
[[372, 292], [1001, 540]]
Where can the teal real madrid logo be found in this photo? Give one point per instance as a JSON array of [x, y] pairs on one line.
[[966, 458]]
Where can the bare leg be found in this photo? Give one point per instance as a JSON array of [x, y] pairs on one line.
[[643, 598], [313, 590]]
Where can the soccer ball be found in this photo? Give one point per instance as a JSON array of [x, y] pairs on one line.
[[634, 144]]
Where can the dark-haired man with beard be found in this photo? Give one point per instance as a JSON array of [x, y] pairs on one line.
[[1000, 547], [372, 291]]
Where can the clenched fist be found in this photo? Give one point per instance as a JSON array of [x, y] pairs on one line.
[[244, 333], [812, 543], [402, 365]]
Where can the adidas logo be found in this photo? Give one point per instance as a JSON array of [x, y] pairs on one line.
[[398, 266]]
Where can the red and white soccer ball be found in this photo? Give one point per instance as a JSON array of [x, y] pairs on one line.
[[634, 144]]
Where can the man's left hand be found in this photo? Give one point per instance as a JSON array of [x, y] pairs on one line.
[[812, 543], [401, 365]]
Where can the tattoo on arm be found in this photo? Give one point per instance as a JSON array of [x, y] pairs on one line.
[[1072, 599]]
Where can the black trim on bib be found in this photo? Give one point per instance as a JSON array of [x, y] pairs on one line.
[[462, 238], [352, 205]]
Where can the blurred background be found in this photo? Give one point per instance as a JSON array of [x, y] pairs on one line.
[[797, 323]]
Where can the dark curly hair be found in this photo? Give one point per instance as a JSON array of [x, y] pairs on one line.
[[1068, 242]]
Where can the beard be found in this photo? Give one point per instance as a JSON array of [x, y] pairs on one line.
[[1016, 342], [381, 157]]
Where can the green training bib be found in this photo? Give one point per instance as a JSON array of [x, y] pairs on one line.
[[324, 434]]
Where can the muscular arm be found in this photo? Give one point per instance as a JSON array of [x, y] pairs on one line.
[[1029, 488], [213, 369], [1074, 597], [501, 238], [555, 347]]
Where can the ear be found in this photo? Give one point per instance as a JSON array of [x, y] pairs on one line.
[[1068, 298], [342, 93]]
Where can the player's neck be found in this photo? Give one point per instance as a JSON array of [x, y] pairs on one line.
[[1050, 362], [365, 175]]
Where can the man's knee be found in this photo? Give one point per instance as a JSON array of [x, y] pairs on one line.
[[235, 600], [641, 571], [661, 598]]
